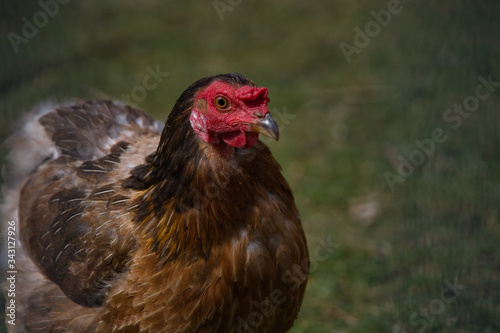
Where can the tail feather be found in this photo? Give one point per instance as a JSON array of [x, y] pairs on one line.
[[29, 145]]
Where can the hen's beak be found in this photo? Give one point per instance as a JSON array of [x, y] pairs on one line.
[[267, 126]]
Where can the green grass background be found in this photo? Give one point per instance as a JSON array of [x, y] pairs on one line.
[[343, 125]]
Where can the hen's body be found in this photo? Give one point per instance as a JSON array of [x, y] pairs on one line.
[[127, 230]]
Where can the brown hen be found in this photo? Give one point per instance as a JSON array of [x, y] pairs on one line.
[[125, 227]]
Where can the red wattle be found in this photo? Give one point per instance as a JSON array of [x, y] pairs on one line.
[[240, 139]]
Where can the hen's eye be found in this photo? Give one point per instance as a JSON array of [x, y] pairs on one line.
[[221, 102]]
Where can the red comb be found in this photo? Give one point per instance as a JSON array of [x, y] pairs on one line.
[[253, 94]]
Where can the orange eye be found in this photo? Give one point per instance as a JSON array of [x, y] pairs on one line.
[[221, 102]]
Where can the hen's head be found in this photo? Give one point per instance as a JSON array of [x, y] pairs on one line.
[[233, 112]]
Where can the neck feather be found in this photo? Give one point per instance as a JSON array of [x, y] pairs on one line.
[[192, 195]]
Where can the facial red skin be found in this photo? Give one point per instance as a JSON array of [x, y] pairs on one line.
[[232, 125]]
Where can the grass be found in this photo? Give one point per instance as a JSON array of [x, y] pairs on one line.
[[347, 124]]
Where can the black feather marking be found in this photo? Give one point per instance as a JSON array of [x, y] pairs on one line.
[[82, 130], [93, 171], [120, 147], [102, 193], [118, 202]]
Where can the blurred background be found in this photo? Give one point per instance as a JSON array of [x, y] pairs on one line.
[[389, 119]]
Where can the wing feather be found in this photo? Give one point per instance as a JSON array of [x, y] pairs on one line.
[[76, 224]]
